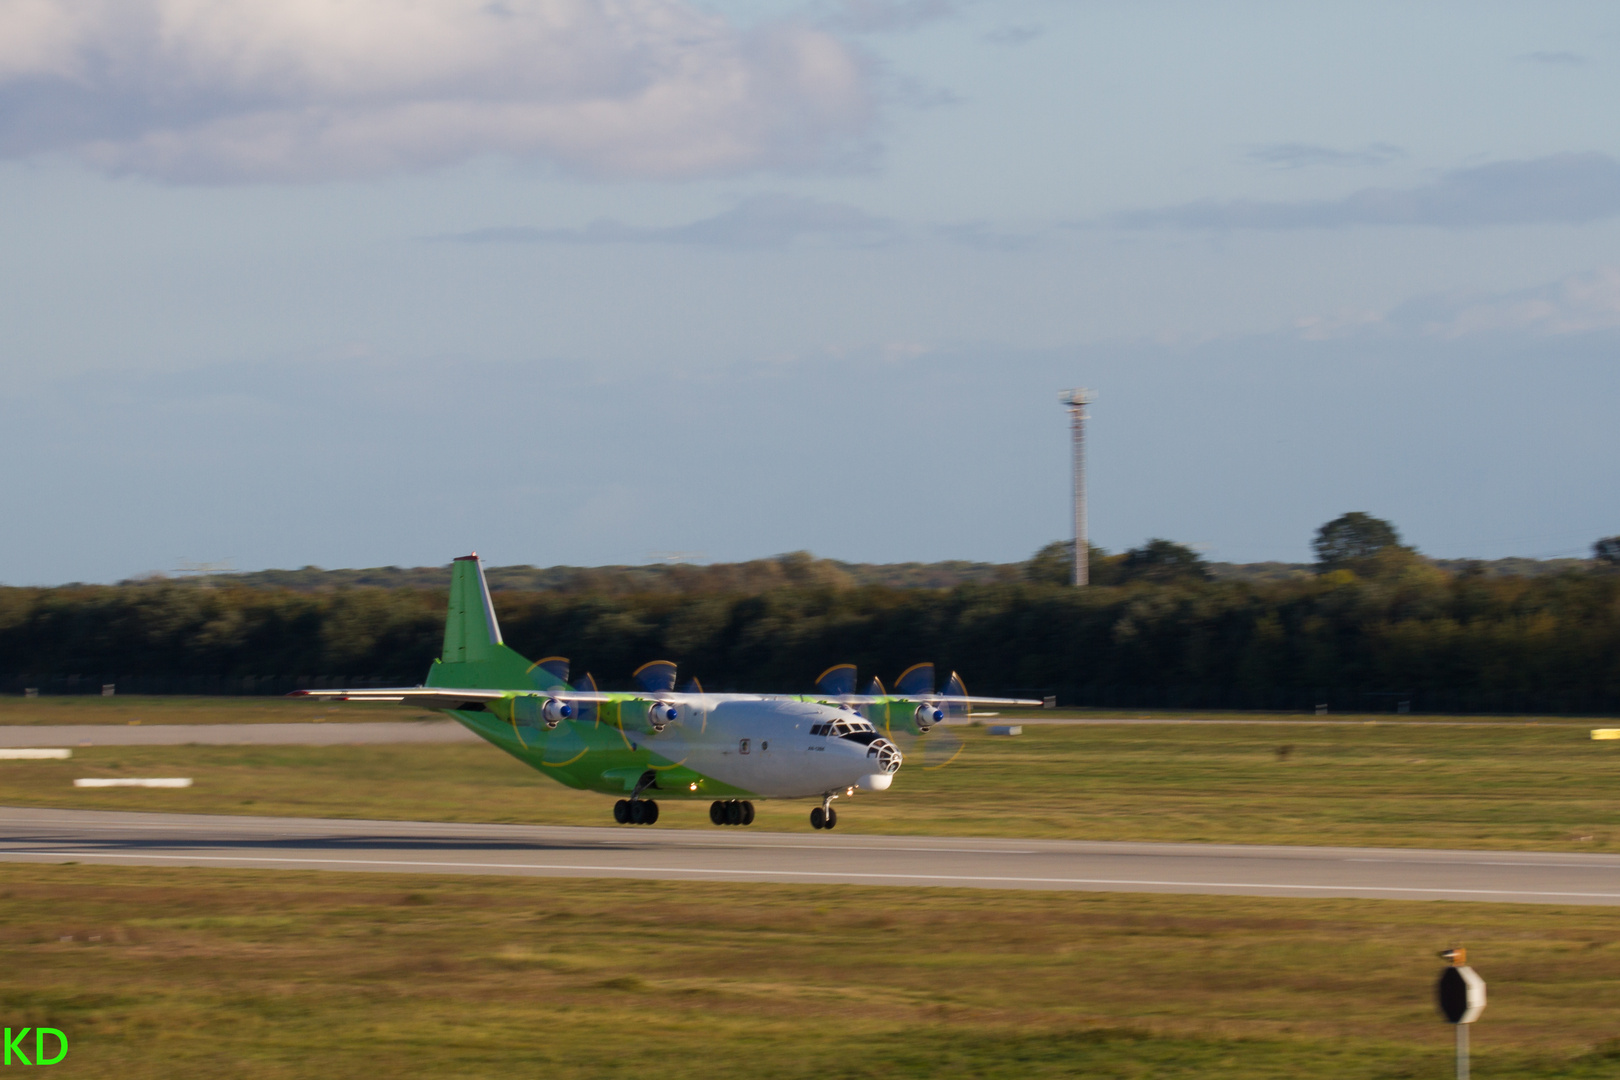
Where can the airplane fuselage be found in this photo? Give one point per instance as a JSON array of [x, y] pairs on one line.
[[735, 746]]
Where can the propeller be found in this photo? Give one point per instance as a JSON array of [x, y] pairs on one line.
[[687, 711], [914, 716], [836, 681], [657, 678], [539, 722], [911, 717]]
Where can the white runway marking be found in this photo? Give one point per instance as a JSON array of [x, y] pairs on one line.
[[623, 852], [586, 868]]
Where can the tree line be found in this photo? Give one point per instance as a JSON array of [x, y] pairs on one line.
[[1375, 625]]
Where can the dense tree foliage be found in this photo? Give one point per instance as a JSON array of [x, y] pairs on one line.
[[795, 569], [1163, 561], [1398, 629], [1352, 540]]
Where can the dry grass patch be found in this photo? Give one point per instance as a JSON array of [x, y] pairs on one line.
[[1536, 787], [156, 972]]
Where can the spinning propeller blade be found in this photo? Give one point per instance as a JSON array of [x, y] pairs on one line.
[[586, 711], [916, 680], [655, 676], [916, 723], [836, 680], [555, 672]]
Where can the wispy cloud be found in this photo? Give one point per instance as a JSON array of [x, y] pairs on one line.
[[1563, 188], [1014, 35], [1580, 303], [770, 220], [268, 90], [884, 16], [1556, 59], [760, 221], [1292, 155]]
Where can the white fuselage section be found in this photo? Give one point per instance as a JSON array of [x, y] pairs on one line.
[[777, 748]]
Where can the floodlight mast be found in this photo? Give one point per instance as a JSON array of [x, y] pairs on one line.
[[1077, 400]]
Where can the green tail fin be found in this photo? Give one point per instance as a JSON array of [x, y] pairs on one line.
[[474, 655]]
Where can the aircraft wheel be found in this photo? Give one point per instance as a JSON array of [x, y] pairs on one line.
[[650, 817], [717, 812], [818, 820], [832, 818], [637, 809], [747, 813], [621, 812], [734, 813]]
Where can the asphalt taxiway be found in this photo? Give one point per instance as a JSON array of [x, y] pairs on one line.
[[308, 733], [300, 734], [137, 839]]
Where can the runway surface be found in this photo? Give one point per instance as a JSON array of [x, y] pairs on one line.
[[104, 837], [448, 731], [302, 734]]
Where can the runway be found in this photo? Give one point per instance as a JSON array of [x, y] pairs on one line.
[[301, 734], [132, 839], [448, 731]]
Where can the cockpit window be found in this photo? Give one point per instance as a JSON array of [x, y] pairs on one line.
[[841, 728]]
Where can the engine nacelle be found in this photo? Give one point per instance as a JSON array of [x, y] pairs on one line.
[[661, 713], [554, 712], [927, 716]]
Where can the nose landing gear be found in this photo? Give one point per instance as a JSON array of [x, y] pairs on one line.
[[732, 812], [824, 816]]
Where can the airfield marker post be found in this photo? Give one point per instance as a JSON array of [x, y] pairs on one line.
[[1461, 997]]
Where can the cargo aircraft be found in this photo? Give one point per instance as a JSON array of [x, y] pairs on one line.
[[662, 743]]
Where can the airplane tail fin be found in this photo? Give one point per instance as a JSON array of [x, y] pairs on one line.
[[474, 654]]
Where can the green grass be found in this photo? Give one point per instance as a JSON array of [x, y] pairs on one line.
[[192, 710], [1507, 786], [204, 973], [240, 974]]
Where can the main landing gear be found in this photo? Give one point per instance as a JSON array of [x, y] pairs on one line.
[[731, 812], [635, 812], [824, 816]]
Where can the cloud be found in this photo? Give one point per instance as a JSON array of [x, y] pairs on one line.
[[1304, 155], [1578, 304], [1581, 303], [1557, 59], [301, 90], [764, 221], [1563, 188], [760, 221], [1014, 35], [884, 16]]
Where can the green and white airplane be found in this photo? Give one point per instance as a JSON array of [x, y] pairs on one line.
[[663, 743]]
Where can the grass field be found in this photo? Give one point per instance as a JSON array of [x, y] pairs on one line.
[[165, 973], [1503, 786], [245, 974]]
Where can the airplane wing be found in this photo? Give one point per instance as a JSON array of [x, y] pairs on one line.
[[925, 699], [440, 697]]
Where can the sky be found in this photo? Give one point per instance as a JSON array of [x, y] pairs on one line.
[[372, 282]]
